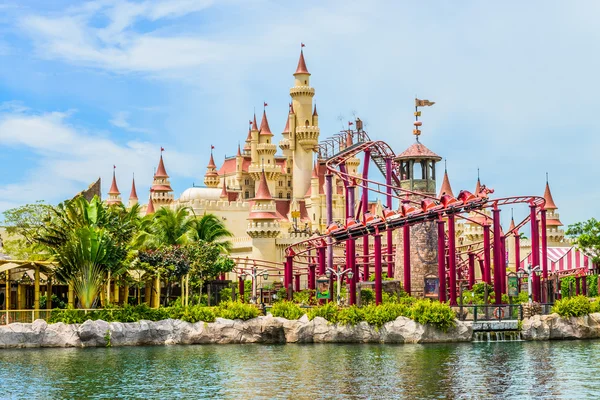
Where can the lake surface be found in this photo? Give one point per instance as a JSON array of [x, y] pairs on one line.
[[515, 370]]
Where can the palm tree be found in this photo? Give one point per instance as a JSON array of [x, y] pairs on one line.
[[166, 227], [210, 228]]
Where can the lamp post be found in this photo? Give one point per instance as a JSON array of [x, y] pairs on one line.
[[529, 271], [254, 274], [338, 276]]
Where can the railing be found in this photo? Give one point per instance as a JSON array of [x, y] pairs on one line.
[[25, 316], [490, 312]]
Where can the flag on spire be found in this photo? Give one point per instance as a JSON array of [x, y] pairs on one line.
[[423, 103], [265, 104], [162, 149], [302, 45]]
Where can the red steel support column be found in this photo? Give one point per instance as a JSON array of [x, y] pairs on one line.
[[378, 271], [311, 277], [388, 203], [497, 257], [452, 259], [544, 255], [487, 262], [351, 248], [241, 289], [517, 251], [535, 250], [297, 283], [584, 285], [406, 257], [365, 209], [503, 263], [441, 260], [471, 270], [577, 286], [329, 203], [321, 258]]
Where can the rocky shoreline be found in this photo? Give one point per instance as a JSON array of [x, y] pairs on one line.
[[270, 329]]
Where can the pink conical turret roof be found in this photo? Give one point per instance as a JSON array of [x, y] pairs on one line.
[[478, 187], [301, 65], [446, 188], [254, 124], [249, 137], [224, 194], [315, 173], [161, 172], [550, 205], [150, 208], [287, 125], [512, 224], [133, 195], [264, 125], [262, 193], [239, 153], [315, 111], [113, 187], [211, 162]]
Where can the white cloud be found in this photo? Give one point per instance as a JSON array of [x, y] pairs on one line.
[[69, 159], [120, 120]]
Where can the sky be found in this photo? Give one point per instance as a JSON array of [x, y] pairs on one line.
[[88, 85]]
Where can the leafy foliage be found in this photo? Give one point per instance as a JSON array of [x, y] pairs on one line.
[[287, 309], [435, 313], [586, 236], [577, 306], [350, 315], [237, 310], [367, 296], [329, 311], [304, 297], [379, 315]]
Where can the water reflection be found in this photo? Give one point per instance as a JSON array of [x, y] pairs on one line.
[[556, 370]]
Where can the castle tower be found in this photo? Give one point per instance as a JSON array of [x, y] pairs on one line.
[[248, 142], [114, 196], [150, 207], [264, 162], [263, 225], [554, 234], [211, 177], [284, 143], [133, 197], [304, 134], [161, 191]]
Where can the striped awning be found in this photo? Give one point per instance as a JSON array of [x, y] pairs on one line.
[[562, 260]]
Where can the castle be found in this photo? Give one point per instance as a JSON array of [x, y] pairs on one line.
[[270, 200]]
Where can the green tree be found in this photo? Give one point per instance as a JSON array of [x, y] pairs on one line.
[[166, 227], [586, 236], [209, 228], [22, 225]]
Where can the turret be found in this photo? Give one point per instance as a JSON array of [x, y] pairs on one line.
[[114, 196], [161, 192], [446, 188], [211, 177], [315, 117], [265, 155], [417, 168], [553, 224], [133, 197], [238, 166], [254, 140], [150, 207]]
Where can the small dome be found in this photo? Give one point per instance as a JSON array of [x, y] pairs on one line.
[[200, 193]]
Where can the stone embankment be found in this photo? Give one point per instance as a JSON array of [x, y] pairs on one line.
[[258, 330], [553, 326]]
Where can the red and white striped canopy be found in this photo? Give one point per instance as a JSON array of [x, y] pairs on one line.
[[562, 260]]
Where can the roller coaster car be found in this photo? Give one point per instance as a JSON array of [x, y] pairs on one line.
[[450, 203], [412, 213], [355, 227], [372, 220], [333, 228], [430, 209], [470, 201], [484, 192], [390, 215]]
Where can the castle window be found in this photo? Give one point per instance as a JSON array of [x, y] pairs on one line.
[[246, 182], [306, 82], [289, 183], [246, 194], [289, 195], [280, 195], [268, 161], [306, 123], [289, 170], [314, 217], [280, 183]]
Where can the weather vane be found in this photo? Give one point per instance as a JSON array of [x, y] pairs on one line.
[[417, 123]]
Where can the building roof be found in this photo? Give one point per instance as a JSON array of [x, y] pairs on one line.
[[161, 172], [113, 187], [417, 150], [162, 188], [200, 193], [315, 111], [264, 125], [254, 124], [512, 224], [287, 125], [301, 65], [150, 208], [133, 195], [550, 205], [477, 187], [211, 162], [239, 152], [446, 188], [262, 193], [229, 166]]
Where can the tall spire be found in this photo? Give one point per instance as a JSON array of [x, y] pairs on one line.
[[478, 186], [446, 188], [150, 208], [264, 125], [315, 111], [239, 152], [133, 195], [512, 221], [302, 64], [254, 124], [550, 205], [224, 194], [113, 187], [262, 193], [161, 172]]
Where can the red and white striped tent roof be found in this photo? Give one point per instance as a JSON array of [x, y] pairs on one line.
[[563, 260]]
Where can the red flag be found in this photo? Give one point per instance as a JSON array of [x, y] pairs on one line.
[[302, 45], [212, 147], [250, 122], [114, 167], [350, 123], [162, 149], [266, 104]]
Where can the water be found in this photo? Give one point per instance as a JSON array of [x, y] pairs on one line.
[[491, 370]]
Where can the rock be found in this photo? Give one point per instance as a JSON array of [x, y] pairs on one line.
[[94, 333], [61, 335]]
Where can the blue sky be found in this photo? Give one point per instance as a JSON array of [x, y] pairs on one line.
[[85, 85]]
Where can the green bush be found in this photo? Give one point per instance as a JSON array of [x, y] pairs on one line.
[[329, 311], [237, 310], [367, 296], [198, 313], [350, 315], [383, 313], [435, 313], [226, 294], [577, 306], [281, 295], [287, 310], [305, 297]]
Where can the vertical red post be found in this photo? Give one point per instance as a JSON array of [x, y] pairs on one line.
[[452, 259], [577, 286], [584, 285], [329, 203], [535, 250], [351, 248], [544, 254], [311, 277], [388, 203], [406, 257], [503, 263], [297, 283], [321, 257], [365, 209], [497, 257], [241, 289], [471, 270], [378, 270], [517, 251], [487, 258], [441, 260]]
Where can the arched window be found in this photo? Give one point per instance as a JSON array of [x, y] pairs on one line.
[[417, 172], [246, 194], [306, 123], [289, 196], [281, 195]]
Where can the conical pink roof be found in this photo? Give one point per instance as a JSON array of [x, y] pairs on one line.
[[550, 205], [113, 187], [301, 65], [150, 208], [161, 172], [262, 193], [264, 125], [133, 195], [446, 188]]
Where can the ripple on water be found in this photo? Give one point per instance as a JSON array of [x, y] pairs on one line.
[[553, 370]]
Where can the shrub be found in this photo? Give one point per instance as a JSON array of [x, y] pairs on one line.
[[435, 313], [198, 313], [226, 294], [305, 297], [281, 295], [577, 306], [287, 309], [367, 296], [236, 310], [329, 311], [67, 316], [383, 313], [350, 315]]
